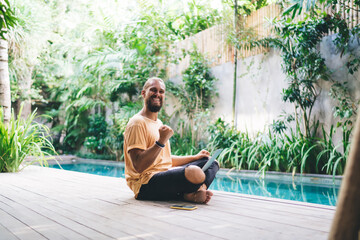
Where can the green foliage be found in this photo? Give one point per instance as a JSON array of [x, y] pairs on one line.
[[22, 138], [114, 139], [95, 54], [297, 6], [31, 32], [196, 95], [331, 158], [197, 18], [222, 135], [97, 132], [198, 91], [246, 7], [338, 20], [182, 144], [286, 152], [189, 139], [302, 63], [7, 18], [96, 156], [304, 67], [345, 110]]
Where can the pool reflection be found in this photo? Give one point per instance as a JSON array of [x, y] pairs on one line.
[[305, 192]]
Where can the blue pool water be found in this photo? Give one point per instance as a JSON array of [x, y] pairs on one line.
[[304, 192]]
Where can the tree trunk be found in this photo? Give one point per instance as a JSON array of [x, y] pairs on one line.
[[5, 94], [346, 223], [25, 84]]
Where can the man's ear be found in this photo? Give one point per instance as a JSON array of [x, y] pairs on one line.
[[143, 93]]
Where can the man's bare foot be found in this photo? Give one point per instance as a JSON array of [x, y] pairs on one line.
[[200, 196]]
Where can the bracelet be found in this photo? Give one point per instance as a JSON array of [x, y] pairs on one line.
[[159, 144]]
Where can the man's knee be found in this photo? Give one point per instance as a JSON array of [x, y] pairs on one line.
[[194, 174]]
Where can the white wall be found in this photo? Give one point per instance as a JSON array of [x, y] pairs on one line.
[[260, 81]]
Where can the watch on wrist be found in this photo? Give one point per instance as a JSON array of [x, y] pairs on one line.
[[159, 144]]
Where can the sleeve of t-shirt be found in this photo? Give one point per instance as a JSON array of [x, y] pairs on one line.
[[135, 137]]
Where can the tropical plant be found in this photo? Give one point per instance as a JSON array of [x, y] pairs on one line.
[[222, 135], [345, 110], [196, 94], [27, 40], [114, 139], [197, 91], [285, 152], [296, 6], [22, 138], [340, 21], [190, 139], [193, 19], [331, 159], [96, 133], [7, 19]]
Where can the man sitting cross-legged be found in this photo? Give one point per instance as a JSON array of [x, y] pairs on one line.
[[151, 171]]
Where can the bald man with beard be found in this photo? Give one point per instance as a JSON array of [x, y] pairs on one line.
[[151, 171]]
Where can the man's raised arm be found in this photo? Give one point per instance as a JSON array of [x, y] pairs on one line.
[[142, 159]]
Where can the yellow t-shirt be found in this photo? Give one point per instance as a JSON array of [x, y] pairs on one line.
[[142, 132]]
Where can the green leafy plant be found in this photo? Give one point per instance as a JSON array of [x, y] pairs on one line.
[[97, 132], [234, 143], [345, 110], [196, 94], [331, 159], [188, 139], [7, 19], [197, 18], [285, 152], [22, 138], [197, 91], [114, 139]]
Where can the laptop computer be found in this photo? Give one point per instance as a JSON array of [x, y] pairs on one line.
[[212, 159]]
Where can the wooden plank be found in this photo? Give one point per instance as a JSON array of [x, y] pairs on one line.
[[86, 210], [105, 206], [17, 227], [92, 224], [47, 209], [42, 224], [5, 233], [94, 221], [250, 221]]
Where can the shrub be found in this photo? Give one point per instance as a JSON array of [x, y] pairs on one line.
[[22, 138]]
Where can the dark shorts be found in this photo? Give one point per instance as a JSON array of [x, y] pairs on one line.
[[172, 184]]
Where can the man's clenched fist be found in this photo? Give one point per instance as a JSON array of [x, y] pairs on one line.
[[165, 134]]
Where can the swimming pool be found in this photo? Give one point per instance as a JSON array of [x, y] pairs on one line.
[[272, 186]]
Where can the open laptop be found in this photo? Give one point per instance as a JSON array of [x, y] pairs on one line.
[[212, 159]]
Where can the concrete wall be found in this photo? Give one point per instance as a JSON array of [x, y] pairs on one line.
[[260, 81]]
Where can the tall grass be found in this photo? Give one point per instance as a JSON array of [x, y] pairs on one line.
[[22, 138], [184, 142], [285, 152], [333, 158]]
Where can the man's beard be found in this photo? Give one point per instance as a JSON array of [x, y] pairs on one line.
[[153, 108]]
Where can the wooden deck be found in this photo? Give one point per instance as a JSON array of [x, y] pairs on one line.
[[42, 203]]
